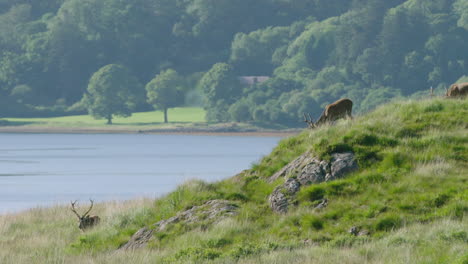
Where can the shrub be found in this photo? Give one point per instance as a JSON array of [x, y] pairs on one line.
[[341, 188], [394, 161], [312, 193], [197, 254], [244, 250], [347, 241], [312, 221], [435, 107], [441, 200], [240, 111], [388, 223], [218, 243]]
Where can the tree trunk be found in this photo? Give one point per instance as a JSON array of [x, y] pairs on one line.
[[109, 119], [165, 115]]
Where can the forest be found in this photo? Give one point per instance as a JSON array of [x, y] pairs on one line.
[[263, 61]]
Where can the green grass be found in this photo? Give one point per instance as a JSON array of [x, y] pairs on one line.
[[154, 118], [410, 193]]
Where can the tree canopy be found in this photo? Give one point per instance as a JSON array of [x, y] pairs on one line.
[[110, 93], [321, 49], [165, 91]]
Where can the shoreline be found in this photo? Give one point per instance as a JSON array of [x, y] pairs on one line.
[[153, 131]]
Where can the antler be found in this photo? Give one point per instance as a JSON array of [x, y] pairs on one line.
[[308, 119], [74, 210], [91, 207]]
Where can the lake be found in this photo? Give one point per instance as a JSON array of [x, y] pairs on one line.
[[38, 170]]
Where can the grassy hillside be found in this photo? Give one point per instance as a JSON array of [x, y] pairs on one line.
[[410, 193]]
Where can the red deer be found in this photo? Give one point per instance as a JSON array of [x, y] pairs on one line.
[[86, 221], [458, 90], [339, 109]]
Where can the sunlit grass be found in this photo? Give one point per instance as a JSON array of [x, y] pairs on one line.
[[154, 118], [409, 193]]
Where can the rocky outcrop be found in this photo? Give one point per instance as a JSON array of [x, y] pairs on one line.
[[306, 170], [278, 200], [357, 231], [210, 212], [342, 164]]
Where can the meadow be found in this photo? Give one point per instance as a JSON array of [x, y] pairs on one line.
[[410, 193], [182, 115]]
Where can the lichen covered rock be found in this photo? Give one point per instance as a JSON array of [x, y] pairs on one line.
[[306, 170], [342, 164], [210, 212]]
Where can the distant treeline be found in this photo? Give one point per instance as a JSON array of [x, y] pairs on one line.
[[314, 51]]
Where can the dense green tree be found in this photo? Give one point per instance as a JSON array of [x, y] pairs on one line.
[[165, 91], [110, 93], [378, 96], [322, 49], [461, 9], [219, 84], [240, 111], [251, 54]]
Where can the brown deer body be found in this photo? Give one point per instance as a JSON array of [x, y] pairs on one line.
[[86, 221], [458, 90], [339, 109]]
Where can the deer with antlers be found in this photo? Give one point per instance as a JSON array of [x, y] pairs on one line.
[[86, 221], [339, 109], [457, 90]]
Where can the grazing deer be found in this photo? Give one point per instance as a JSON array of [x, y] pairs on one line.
[[86, 221], [457, 90], [339, 109]]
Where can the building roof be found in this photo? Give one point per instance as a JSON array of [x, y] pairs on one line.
[[251, 80]]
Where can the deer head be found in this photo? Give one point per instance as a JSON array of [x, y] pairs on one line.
[[86, 221], [309, 121]]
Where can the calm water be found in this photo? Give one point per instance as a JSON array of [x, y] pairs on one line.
[[47, 169]]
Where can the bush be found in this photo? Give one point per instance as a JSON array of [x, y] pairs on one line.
[[389, 223], [312, 221], [240, 112], [312, 193], [441, 200], [395, 161], [197, 254]]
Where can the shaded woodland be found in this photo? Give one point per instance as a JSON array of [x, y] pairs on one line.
[[313, 51]]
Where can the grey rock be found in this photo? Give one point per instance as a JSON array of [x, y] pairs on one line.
[[354, 230], [357, 231], [363, 232], [278, 200], [139, 239], [342, 164], [292, 186], [313, 172], [211, 211], [306, 170], [292, 167], [322, 204]]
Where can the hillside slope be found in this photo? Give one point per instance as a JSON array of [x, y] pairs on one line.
[[407, 203]]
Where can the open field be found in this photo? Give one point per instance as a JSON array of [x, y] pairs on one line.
[[154, 118], [187, 120]]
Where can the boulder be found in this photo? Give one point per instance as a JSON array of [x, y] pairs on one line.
[[342, 164], [322, 204], [292, 186], [314, 172], [211, 212], [278, 200], [306, 170], [292, 167]]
